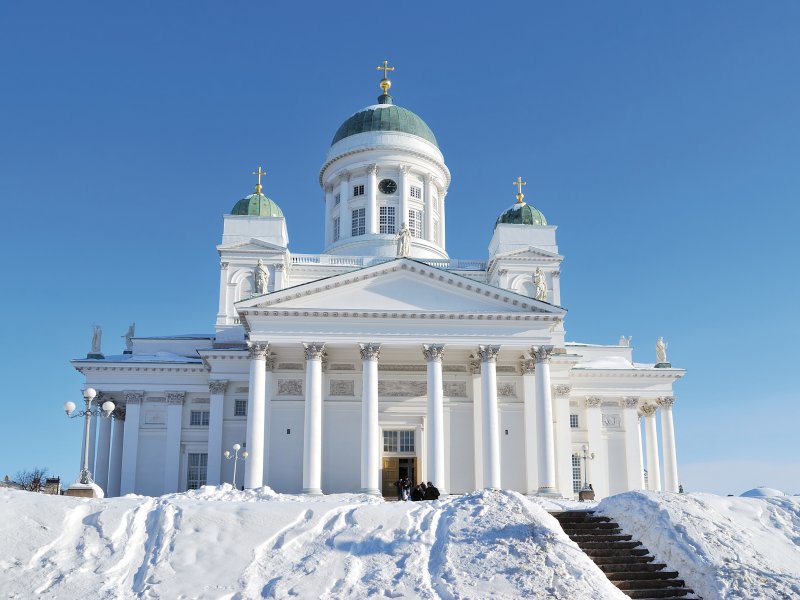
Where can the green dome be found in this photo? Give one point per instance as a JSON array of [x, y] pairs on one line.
[[385, 116], [257, 205], [522, 214]]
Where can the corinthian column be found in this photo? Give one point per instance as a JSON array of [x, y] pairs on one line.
[[130, 448], [653, 468], [544, 418], [172, 451], [216, 387], [528, 368], [633, 443], [477, 419], [668, 444], [594, 431], [254, 465], [312, 434], [491, 428], [370, 443], [371, 213], [433, 354], [115, 462], [103, 450]]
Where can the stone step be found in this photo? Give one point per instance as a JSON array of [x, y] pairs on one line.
[[609, 545], [642, 564], [640, 575], [590, 525], [580, 516], [581, 538], [615, 552], [650, 584], [683, 594]]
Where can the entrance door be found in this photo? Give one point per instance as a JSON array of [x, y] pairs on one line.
[[395, 469]]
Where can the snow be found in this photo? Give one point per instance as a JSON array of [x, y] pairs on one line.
[[158, 357], [608, 362], [723, 547], [223, 543], [763, 492]]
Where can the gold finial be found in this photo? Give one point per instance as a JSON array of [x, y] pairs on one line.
[[258, 174], [519, 183], [385, 83]]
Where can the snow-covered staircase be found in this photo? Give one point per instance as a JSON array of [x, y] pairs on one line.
[[626, 563]]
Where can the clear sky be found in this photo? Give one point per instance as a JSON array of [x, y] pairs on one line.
[[662, 138]]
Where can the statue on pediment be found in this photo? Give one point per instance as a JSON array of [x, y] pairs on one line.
[[661, 351], [539, 284], [97, 334], [403, 241], [129, 337], [261, 277]]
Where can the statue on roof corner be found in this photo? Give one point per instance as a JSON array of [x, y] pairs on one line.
[[261, 277], [625, 341], [540, 284], [129, 337], [97, 334], [661, 351], [403, 241]]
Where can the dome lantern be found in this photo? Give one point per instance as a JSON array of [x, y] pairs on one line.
[[521, 213], [257, 205]]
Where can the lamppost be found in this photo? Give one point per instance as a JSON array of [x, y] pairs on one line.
[[236, 458], [586, 456], [89, 394]]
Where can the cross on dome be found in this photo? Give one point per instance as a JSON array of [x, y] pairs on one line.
[[258, 174], [385, 83], [519, 183]]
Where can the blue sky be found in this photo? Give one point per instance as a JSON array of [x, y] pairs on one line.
[[662, 138]]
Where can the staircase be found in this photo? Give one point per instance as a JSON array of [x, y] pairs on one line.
[[626, 563]]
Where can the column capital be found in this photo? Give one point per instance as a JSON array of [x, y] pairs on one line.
[[474, 366], [488, 353], [527, 366], [427, 178], [433, 352], [372, 169], [217, 386], [328, 188], [314, 350], [666, 402], [404, 169], [344, 176], [133, 397], [592, 402], [561, 391], [542, 354], [370, 351], [176, 397], [556, 274], [257, 351], [630, 401], [119, 413], [279, 266], [269, 362], [223, 265], [648, 410]]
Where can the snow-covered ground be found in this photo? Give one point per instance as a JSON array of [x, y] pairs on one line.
[[724, 547], [221, 543]]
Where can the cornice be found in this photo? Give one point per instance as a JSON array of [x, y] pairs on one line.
[[142, 369], [403, 149], [628, 373]]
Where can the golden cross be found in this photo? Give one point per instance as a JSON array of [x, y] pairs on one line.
[[385, 67], [519, 183], [259, 173]]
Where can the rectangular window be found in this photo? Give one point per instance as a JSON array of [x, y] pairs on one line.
[[415, 223], [573, 421], [436, 232], [386, 216], [336, 199], [359, 222], [406, 441], [576, 473], [415, 192], [358, 190], [198, 469], [336, 229], [199, 418], [240, 408], [390, 441]]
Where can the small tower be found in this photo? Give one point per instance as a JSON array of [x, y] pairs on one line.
[[384, 168]]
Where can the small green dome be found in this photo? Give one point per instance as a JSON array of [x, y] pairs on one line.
[[522, 214], [385, 116], [257, 205]]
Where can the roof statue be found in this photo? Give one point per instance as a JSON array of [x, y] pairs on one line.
[[623, 341], [97, 334], [403, 241], [539, 283], [661, 351], [129, 338], [261, 277]]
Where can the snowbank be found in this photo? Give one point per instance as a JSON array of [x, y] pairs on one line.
[[723, 547], [223, 543]]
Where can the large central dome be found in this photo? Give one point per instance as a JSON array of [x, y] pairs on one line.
[[385, 117]]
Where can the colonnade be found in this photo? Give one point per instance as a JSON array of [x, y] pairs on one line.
[[648, 412]]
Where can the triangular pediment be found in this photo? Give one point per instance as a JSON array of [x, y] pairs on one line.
[[253, 244], [529, 252], [401, 285]]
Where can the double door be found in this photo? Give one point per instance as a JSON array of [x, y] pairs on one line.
[[395, 469]]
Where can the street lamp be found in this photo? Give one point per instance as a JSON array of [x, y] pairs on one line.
[[586, 456], [105, 411], [236, 458]]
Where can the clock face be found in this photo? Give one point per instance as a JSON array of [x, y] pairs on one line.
[[387, 186]]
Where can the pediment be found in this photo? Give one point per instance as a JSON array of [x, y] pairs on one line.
[[529, 252], [253, 244], [400, 286]]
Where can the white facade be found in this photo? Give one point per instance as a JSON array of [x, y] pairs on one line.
[[357, 366]]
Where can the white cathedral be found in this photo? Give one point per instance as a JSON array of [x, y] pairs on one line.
[[383, 357]]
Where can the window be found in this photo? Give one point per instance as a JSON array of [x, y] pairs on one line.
[[336, 229], [573, 421], [337, 199], [398, 441], [387, 219], [359, 222], [415, 192], [415, 223], [197, 471], [576, 473], [240, 408], [199, 418], [436, 232], [358, 190]]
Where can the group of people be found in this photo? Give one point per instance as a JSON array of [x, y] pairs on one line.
[[423, 491]]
